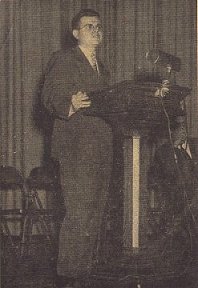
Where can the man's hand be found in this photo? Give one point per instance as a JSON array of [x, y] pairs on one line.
[[80, 100]]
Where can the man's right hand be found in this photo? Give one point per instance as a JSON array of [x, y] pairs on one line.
[[80, 100]]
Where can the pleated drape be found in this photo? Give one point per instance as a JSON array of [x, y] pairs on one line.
[[32, 29], [30, 32], [176, 34], [12, 105]]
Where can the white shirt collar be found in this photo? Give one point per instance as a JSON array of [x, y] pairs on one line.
[[186, 147], [89, 55]]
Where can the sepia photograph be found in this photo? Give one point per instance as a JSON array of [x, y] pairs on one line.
[[99, 144]]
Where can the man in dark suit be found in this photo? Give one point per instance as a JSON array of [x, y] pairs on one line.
[[82, 144]]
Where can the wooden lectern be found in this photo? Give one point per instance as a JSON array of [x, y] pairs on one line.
[[137, 111]]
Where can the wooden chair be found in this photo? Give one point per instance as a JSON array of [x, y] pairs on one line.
[[44, 208]]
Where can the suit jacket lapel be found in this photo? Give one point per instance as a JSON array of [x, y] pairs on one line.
[[82, 58]]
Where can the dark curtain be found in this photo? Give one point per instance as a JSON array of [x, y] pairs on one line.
[[176, 34], [29, 33], [30, 30]]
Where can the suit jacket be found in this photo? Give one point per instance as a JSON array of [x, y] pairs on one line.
[[70, 72]]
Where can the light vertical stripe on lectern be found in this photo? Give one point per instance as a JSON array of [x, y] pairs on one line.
[[136, 191]]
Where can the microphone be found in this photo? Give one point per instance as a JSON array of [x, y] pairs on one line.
[[156, 56]]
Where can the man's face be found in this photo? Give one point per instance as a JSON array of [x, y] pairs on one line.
[[89, 33]]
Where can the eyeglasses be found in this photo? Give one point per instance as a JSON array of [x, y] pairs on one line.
[[91, 27]]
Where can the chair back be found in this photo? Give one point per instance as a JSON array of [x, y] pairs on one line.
[[12, 198]]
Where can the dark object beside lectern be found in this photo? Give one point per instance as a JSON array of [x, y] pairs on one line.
[[135, 111]]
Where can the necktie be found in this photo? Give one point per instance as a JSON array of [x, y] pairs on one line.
[[94, 62]]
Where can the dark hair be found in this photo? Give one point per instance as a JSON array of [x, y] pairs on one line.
[[83, 13]]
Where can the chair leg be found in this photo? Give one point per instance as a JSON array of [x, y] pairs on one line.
[[23, 238], [37, 200], [26, 235], [4, 227], [34, 216], [46, 230], [43, 222]]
